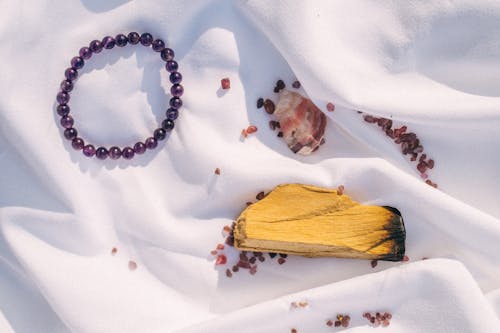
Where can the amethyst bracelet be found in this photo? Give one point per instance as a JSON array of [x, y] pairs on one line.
[[71, 74]]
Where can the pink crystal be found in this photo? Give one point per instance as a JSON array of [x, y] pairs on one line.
[[302, 123]]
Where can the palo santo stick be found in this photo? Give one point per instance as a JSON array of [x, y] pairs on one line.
[[315, 222]]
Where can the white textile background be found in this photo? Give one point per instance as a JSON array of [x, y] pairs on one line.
[[433, 65]]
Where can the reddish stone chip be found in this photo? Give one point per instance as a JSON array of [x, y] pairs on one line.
[[225, 83]]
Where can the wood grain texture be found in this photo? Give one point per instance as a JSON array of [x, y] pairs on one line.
[[314, 222]]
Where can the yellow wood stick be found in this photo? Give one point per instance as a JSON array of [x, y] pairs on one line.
[[313, 222]]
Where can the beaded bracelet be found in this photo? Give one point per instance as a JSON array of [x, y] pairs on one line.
[[71, 74]]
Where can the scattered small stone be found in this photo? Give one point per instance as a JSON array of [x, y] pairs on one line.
[[293, 330], [221, 260], [260, 103], [281, 261], [244, 133], [251, 129], [273, 124], [280, 84], [406, 258], [340, 189], [220, 247], [217, 171], [283, 255], [229, 273], [330, 107], [226, 229], [269, 106], [374, 263], [378, 319], [260, 195], [329, 323], [132, 265], [296, 84], [280, 134], [213, 252], [272, 255], [225, 83], [114, 251], [248, 203], [410, 144]]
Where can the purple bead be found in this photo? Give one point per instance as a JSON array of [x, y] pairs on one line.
[[89, 150], [77, 143], [177, 90], [70, 133], [175, 77], [133, 38], [160, 134], [168, 124], [101, 153], [167, 54], [70, 73], [139, 148], [121, 40], [158, 45], [175, 102], [67, 121], [77, 62], [95, 46], [151, 143], [85, 53], [128, 153], [146, 39], [172, 114], [67, 85], [108, 42], [172, 66], [62, 97], [115, 153], [62, 109]]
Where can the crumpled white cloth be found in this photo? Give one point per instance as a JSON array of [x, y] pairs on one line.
[[434, 66]]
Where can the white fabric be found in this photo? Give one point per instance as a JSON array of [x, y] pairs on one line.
[[432, 65]]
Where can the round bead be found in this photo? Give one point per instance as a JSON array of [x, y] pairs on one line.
[[168, 124], [67, 85], [160, 134], [175, 77], [62, 109], [67, 121], [71, 73], [89, 150], [177, 90], [77, 62], [121, 40], [175, 102], [62, 97], [70, 133], [95, 46], [151, 143], [133, 38], [167, 54], [101, 153], [108, 42], [115, 153], [85, 53], [128, 153], [139, 148], [172, 114], [146, 39], [158, 45], [77, 143], [172, 66]]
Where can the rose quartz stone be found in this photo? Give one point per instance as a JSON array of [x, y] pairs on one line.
[[302, 123]]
